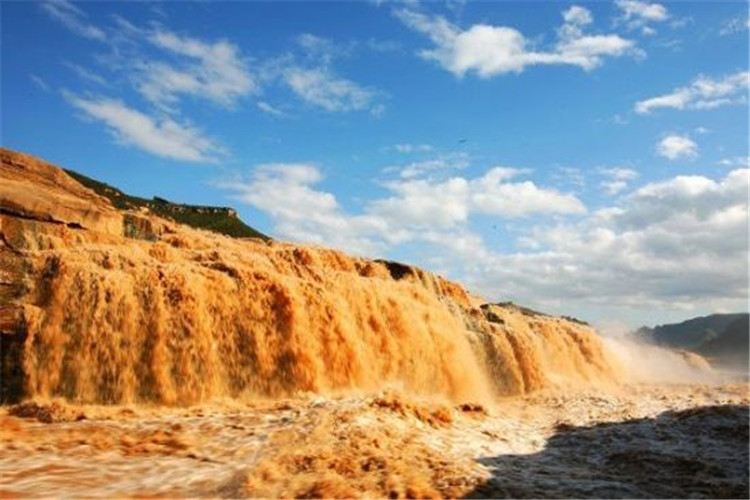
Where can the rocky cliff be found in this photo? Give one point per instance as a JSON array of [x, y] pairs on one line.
[[99, 304], [223, 220]]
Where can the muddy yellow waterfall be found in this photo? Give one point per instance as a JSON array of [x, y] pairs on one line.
[[142, 357]]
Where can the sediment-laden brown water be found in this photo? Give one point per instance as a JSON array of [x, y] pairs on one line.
[[643, 442], [141, 358]]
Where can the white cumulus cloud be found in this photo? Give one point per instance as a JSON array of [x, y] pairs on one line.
[[215, 71], [310, 74], [578, 15], [315, 216], [415, 210], [322, 88], [637, 14], [675, 146], [674, 244], [162, 137], [635, 9], [616, 179], [490, 50], [703, 93]]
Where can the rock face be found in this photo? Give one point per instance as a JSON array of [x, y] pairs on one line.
[[106, 306], [37, 190]]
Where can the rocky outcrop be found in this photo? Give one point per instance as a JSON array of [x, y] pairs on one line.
[[37, 190]]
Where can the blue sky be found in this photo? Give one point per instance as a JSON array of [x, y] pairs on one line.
[[585, 158]]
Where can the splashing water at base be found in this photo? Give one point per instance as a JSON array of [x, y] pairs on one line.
[[196, 317], [653, 364], [152, 323], [183, 316]]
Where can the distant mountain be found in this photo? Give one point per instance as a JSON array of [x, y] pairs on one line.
[[732, 346], [692, 333], [722, 338]]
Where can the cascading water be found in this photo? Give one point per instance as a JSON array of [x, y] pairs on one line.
[[195, 316]]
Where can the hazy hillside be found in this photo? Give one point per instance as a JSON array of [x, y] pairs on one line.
[[692, 333], [732, 346]]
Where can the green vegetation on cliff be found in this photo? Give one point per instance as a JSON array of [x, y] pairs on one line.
[[217, 219]]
